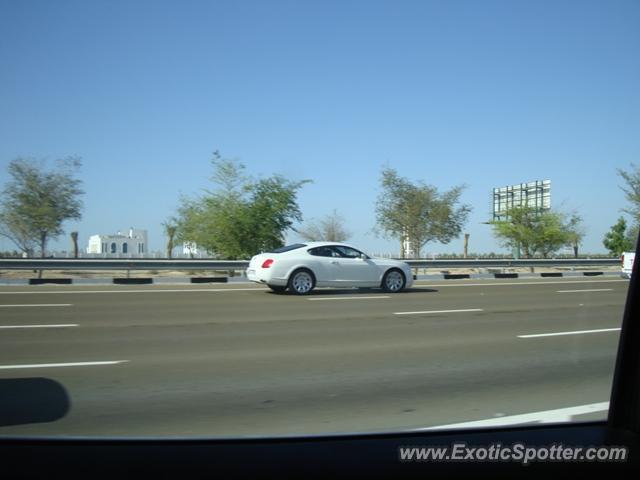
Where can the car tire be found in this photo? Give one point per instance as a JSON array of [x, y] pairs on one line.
[[301, 281], [278, 288], [393, 281]]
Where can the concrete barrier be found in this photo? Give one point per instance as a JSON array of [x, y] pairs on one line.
[[209, 279], [56, 281], [505, 275], [132, 281]]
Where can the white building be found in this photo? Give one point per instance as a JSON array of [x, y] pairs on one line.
[[190, 248], [407, 248], [133, 242]]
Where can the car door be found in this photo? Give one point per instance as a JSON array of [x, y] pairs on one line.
[[321, 262], [351, 267]]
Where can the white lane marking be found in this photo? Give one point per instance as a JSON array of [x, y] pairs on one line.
[[55, 365], [60, 325], [589, 290], [577, 332], [39, 305], [440, 311], [185, 290], [348, 298], [546, 416]]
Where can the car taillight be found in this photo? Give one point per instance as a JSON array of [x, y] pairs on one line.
[[267, 263]]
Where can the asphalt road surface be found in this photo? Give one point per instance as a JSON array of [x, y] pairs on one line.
[[238, 360]]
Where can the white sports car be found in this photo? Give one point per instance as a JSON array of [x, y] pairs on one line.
[[303, 266]]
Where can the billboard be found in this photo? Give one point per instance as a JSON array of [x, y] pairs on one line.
[[532, 194]]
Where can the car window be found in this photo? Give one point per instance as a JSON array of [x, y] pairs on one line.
[[287, 248], [321, 252], [346, 252]]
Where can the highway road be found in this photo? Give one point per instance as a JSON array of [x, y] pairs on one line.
[[238, 360]]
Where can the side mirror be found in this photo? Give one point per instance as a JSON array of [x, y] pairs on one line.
[[362, 256]]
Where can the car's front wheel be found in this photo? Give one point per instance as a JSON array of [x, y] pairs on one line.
[[393, 281], [301, 281]]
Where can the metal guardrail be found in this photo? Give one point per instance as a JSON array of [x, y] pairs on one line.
[[137, 264], [119, 264], [538, 262]]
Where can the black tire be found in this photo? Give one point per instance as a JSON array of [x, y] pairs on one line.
[[277, 288], [393, 281], [301, 281]]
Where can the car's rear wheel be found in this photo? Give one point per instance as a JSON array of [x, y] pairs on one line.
[[301, 281], [393, 281], [277, 288]]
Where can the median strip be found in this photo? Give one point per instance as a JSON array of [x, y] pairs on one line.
[[577, 332], [440, 311], [61, 325], [55, 365]]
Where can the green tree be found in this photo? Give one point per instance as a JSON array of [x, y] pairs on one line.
[[36, 202], [552, 233], [243, 216], [632, 191], [74, 241], [189, 221], [271, 211], [519, 231], [534, 232], [575, 233], [417, 212], [170, 229], [329, 229], [616, 240], [632, 235]]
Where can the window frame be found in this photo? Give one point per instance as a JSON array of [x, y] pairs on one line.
[[335, 248], [372, 454]]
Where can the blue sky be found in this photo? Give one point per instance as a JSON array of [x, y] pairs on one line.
[[486, 94]]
